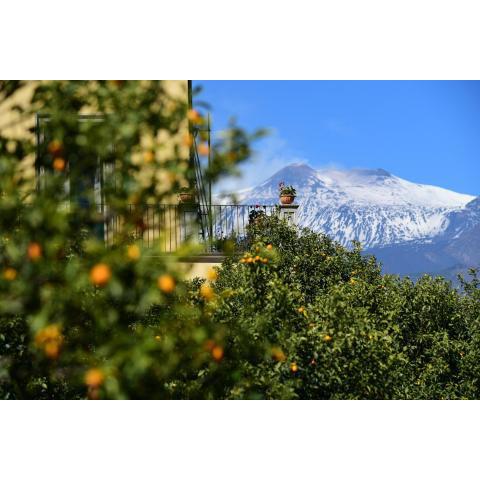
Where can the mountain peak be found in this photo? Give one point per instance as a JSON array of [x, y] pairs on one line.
[[297, 174], [297, 167], [359, 186], [369, 205]]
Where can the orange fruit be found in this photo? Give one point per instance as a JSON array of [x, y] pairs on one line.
[[158, 338], [166, 283], [34, 251], [10, 274], [293, 367], [100, 274], [133, 252], [148, 156], [217, 353], [278, 355], [212, 274], [301, 309], [327, 338], [94, 377], [203, 149], [49, 333], [59, 164], [269, 246], [55, 147], [187, 140], [50, 339], [206, 291], [194, 116], [52, 349]]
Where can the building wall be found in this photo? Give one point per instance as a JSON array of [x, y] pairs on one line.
[[16, 126], [199, 269]]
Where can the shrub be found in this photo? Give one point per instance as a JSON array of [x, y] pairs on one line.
[[81, 317], [307, 318], [295, 315]]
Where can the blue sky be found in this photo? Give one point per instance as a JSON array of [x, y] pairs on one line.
[[423, 131]]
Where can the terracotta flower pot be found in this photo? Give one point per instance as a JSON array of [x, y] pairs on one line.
[[186, 197], [287, 199]]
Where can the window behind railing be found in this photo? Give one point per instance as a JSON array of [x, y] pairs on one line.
[[85, 170]]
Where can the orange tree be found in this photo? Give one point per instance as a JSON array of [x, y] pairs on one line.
[[75, 312], [306, 318], [296, 316]]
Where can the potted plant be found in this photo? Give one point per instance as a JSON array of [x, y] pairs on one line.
[[186, 195], [287, 193]]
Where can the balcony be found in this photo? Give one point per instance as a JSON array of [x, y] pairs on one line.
[[171, 226], [213, 229]]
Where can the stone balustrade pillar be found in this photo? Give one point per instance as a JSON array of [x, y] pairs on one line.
[[289, 213]]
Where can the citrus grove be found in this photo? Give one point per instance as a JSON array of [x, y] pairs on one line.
[[290, 315]]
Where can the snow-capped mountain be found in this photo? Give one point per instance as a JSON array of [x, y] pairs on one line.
[[453, 251], [372, 206]]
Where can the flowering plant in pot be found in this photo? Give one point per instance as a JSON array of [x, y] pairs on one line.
[[256, 215], [287, 193], [186, 195]]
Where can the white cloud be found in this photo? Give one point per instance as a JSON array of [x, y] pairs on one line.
[[271, 155]]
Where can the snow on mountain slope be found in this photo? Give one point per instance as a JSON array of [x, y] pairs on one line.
[[371, 206]]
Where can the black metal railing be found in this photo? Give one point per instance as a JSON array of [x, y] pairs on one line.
[[169, 226], [230, 222]]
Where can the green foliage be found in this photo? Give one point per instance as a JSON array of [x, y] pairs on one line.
[[76, 312], [319, 321], [295, 316], [286, 189]]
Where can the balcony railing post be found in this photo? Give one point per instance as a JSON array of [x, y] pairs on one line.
[[188, 219], [289, 213]]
